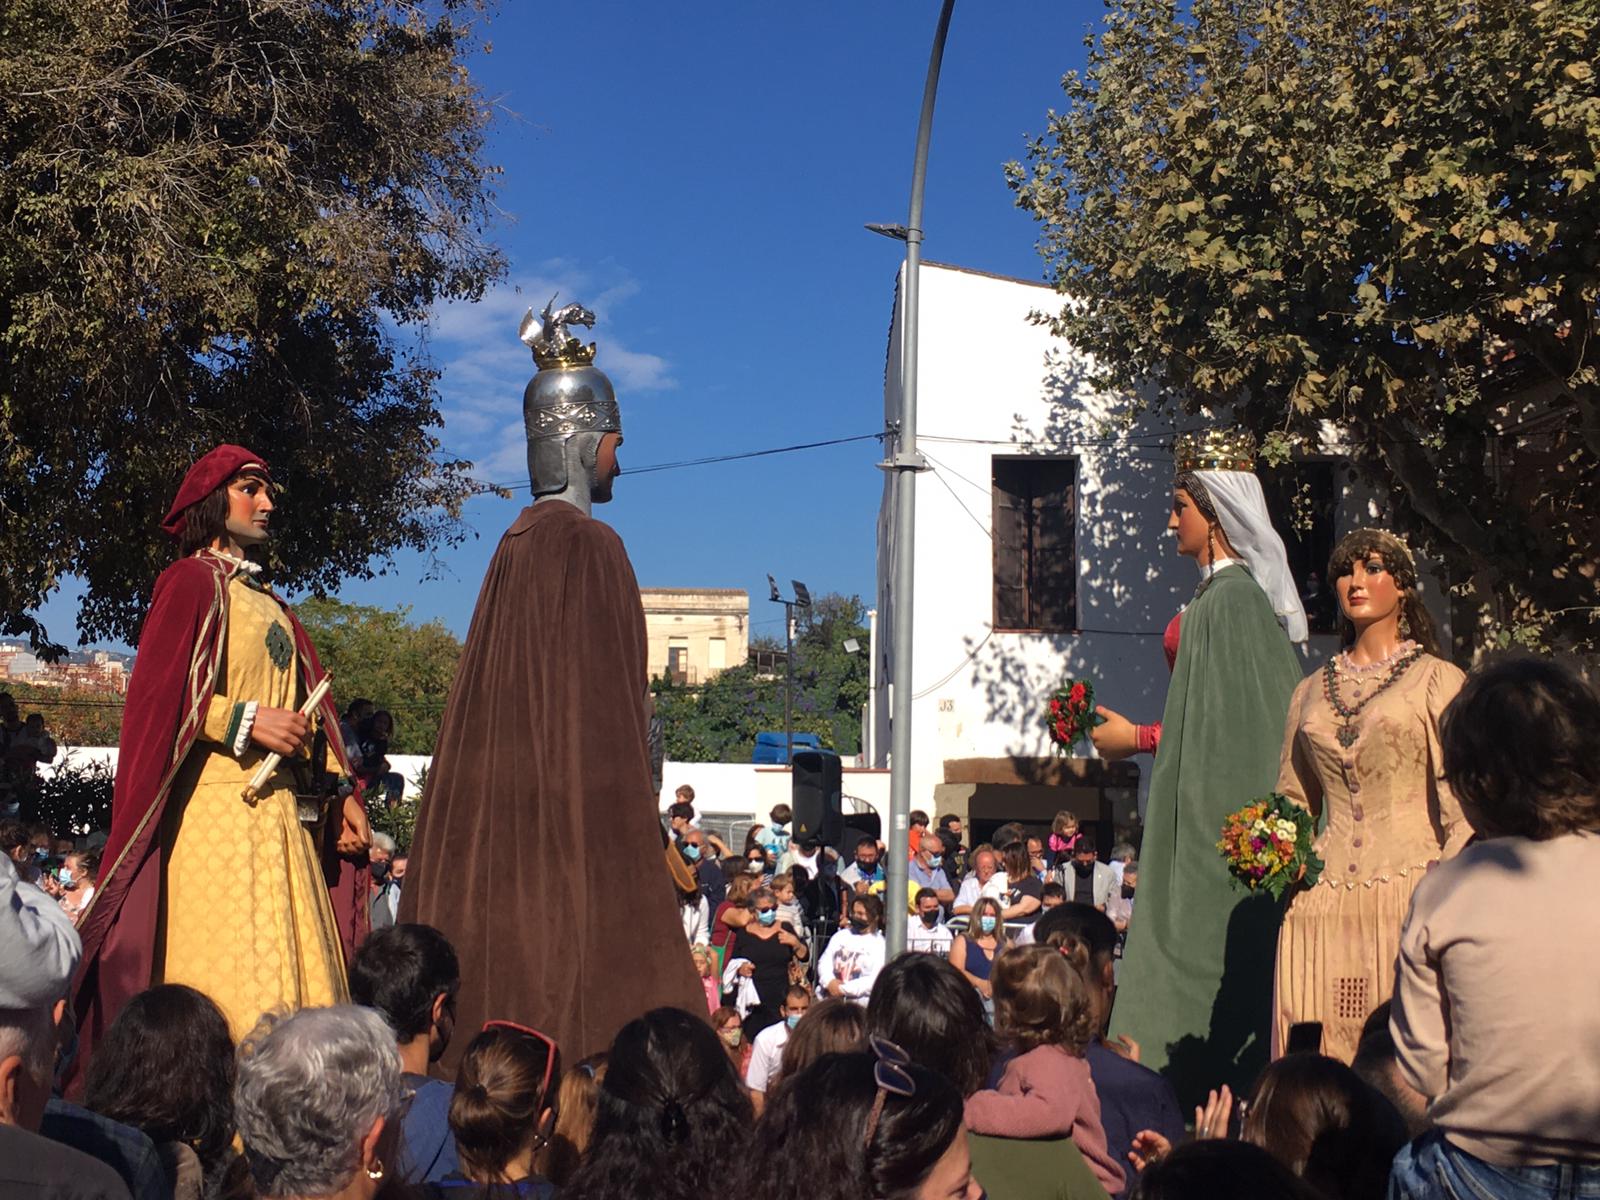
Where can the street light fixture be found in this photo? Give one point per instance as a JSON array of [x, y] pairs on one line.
[[802, 599]]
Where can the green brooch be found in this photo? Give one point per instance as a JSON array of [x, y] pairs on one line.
[[279, 648]]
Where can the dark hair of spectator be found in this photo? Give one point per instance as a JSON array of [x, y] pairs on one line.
[[1220, 1169], [1080, 921], [356, 706], [498, 1102], [948, 842], [1519, 750], [1085, 845], [671, 1103], [1015, 862], [810, 1139], [1361, 544], [918, 817], [781, 814], [1042, 997], [926, 893], [928, 1008], [874, 907], [166, 1066], [1317, 1117], [948, 819], [680, 811], [14, 834], [577, 1102], [833, 1026], [1052, 891], [865, 842], [88, 863], [204, 522], [400, 971]]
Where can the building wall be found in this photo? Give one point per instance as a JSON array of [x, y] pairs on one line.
[[993, 382], [711, 626]]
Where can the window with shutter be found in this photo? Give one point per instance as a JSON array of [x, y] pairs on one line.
[[1035, 544]]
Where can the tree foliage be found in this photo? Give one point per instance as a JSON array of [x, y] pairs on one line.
[[379, 655], [718, 721], [72, 716], [1378, 215], [223, 221]]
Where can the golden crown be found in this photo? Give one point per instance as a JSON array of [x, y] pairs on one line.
[[1215, 450], [569, 352]]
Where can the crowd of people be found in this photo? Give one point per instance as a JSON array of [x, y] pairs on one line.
[[981, 1066], [25, 745]]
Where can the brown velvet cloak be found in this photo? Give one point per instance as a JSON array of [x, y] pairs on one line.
[[538, 846]]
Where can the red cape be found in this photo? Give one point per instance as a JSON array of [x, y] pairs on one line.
[[174, 678]]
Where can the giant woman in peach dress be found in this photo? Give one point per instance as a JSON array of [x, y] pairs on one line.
[[1362, 753]]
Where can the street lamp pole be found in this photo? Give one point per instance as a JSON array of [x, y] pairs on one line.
[[801, 599], [905, 463]]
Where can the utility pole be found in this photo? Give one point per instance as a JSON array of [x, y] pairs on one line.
[[801, 599], [905, 463]]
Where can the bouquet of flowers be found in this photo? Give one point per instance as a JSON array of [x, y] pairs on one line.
[[1268, 842], [1072, 714]]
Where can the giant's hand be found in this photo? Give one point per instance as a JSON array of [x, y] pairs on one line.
[[1117, 737], [281, 730], [355, 835]]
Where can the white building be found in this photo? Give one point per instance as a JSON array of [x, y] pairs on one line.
[[1041, 553]]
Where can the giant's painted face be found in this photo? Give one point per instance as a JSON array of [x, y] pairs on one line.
[[249, 509], [606, 468]]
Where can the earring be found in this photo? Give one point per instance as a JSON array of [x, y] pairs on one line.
[[1405, 625], [1211, 545], [375, 1171]]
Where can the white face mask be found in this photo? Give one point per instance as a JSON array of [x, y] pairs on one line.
[[755, 868]]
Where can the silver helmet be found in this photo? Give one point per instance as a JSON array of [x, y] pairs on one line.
[[569, 404]]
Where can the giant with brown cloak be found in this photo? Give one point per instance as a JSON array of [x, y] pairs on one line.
[[538, 847]]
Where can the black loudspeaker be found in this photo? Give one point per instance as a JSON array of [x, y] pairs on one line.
[[817, 796]]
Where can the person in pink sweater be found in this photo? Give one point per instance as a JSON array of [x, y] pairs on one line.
[[1044, 1007]]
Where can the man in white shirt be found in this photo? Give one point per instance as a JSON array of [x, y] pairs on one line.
[[766, 1052], [928, 934], [984, 865]]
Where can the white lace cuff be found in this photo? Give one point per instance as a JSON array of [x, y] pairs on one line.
[[247, 722]]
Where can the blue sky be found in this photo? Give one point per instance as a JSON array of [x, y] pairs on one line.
[[699, 174]]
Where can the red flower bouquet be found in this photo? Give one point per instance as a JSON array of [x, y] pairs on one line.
[[1072, 714]]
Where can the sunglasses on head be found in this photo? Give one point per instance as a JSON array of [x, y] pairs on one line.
[[890, 1073], [549, 1045]]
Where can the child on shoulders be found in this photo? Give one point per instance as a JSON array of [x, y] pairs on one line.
[[1044, 1007]]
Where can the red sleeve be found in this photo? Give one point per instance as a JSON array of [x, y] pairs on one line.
[[1147, 738]]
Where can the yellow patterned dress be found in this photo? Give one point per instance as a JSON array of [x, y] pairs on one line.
[[245, 915]]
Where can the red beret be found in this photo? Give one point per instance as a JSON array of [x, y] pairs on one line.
[[206, 476]]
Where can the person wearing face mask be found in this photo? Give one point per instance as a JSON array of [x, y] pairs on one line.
[[1088, 880], [863, 876], [766, 1052], [927, 871], [77, 879], [974, 951], [757, 865], [383, 898], [697, 852], [855, 955], [928, 934], [768, 945], [410, 975], [729, 1028]]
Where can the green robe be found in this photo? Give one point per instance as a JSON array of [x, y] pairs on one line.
[[1195, 989]]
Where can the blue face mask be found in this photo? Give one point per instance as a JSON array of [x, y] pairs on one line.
[[935, 861], [986, 924], [692, 852], [40, 854], [767, 916], [793, 1020]]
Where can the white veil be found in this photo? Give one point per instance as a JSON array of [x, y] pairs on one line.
[[1242, 508]]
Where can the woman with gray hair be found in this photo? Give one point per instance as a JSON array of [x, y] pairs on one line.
[[319, 1102]]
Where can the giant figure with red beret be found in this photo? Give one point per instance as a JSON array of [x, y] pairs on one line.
[[255, 902]]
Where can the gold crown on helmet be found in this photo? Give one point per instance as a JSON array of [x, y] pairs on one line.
[[1215, 450]]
